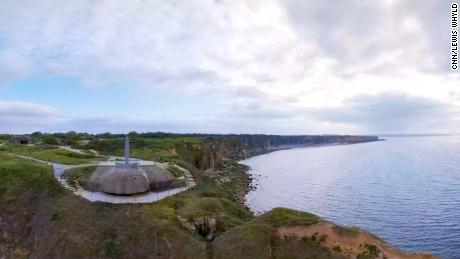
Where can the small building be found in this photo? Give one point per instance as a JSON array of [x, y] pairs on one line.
[[22, 140]]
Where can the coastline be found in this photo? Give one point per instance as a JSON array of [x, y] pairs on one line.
[[299, 232], [248, 178], [287, 147]]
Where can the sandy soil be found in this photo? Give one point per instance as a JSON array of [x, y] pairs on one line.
[[351, 243]]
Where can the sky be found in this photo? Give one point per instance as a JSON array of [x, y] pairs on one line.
[[247, 66]]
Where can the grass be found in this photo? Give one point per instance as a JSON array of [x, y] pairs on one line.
[[76, 228], [158, 148], [51, 154], [237, 174], [205, 200], [354, 231], [23, 179], [303, 248], [175, 171], [247, 241], [347, 231], [78, 175], [287, 217], [371, 252], [256, 239], [226, 212]]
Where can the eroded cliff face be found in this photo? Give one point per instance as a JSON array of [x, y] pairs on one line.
[[217, 148]]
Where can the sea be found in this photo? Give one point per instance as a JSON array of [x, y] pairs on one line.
[[406, 190]]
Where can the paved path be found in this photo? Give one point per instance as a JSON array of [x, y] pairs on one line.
[[147, 197]]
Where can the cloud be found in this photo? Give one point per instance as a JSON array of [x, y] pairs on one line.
[[123, 124], [19, 117], [201, 44], [286, 65], [13, 66], [376, 36], [186, 45], [26, 110], [391, 112]]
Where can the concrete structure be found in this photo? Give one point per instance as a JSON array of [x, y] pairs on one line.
[[121, 179], [22, 140], [126, 151], [147, 197], [129, 178], [124, 181]]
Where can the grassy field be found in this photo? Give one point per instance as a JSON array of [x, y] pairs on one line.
[[50, 153], [158, 149], [24, 179], [70, 227]]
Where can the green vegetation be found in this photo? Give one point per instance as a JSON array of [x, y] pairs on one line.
[[77, 228], [62, 156], [247, 241], [302, 248], [234, 179], [371, 252], [158, 149], [353, 232], [337, 248], [78, 176], [175, 170], [322, 238], [346, 231], [257, 239], [287, 217], [22, 180], [50, 141], [50, 153]]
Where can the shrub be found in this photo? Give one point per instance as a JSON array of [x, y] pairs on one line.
[[50, 141], [322, 238], [287, 217], [337, 248], [371, 252]]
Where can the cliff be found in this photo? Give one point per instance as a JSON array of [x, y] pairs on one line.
[[215, 148]]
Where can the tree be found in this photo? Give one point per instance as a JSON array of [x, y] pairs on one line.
[[133, 134], [50, 140], [36, 134], [71, 138]]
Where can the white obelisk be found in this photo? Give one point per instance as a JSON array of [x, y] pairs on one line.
[[126, 151]]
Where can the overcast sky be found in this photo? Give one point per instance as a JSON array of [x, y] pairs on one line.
[[249, 66]]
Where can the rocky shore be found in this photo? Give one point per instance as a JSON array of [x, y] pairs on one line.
[[234, 176]]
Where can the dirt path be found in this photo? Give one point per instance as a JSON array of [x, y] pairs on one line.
[[69, 148]]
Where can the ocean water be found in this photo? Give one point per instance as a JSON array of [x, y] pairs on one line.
[[405, 189]]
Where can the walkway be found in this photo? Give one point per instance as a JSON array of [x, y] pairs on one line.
[[189, 179]]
